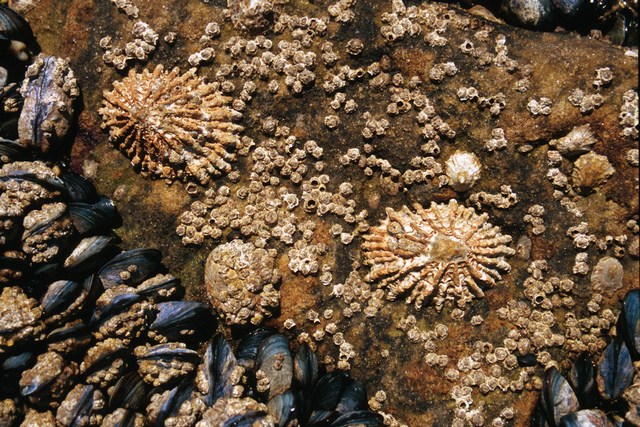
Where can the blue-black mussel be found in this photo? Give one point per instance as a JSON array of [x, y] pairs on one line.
[[91, 334], [17, 48], [617, 19], [601, 393]]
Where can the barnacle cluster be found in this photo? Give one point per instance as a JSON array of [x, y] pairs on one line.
[[444, 252], [172, 125], [93, 335], [143, 45], [415, 110], [241, 282]]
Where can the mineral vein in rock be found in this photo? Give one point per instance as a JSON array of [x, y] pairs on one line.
[[172, 125], [444, 252]]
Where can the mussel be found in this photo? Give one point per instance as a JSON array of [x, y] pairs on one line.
[[591, 394]]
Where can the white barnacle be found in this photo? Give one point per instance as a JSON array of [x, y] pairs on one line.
[[591, 171], [578, 141], [607, 275], [463, 170]]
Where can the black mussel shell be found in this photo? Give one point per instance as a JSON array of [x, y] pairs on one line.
[[98, 217], [615, 369], [130, 267], [337, 395], [4, 43], [528, 359], [79, 408], [19, 361], [89, 253], [11, 369], [169, 351], [11, 151], [26, 172], [40, 380], [130, 392], [161, 288], [79, 189], [9, 128], [354, 398], [218, 365], [247, 419], [305, 374], [13, 26], [583, 379], [305, 366], [107, 355], [51, 221], [176, 397], [629, 323], [73, 337], [631, 26], [586, 418], [60, 295], [275, 361], [283, 408], [580, 14], [93, 285], [568, 8], [558, 398], [41, 274], [179, 319], [358, 418], [119, 304], [249, 345]]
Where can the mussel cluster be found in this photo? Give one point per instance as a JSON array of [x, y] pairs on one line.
[[606, 394], [91, 335], [37, 113], [94, 335], [617, 19], [16, 45]]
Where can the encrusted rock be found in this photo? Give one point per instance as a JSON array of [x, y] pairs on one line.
[[240, 280]]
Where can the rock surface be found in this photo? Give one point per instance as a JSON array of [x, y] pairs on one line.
[[421, 84]]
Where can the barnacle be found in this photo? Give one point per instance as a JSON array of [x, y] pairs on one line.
[[442, 252], [240, 279], [463, 170], [591, 171], [579, 141], [172, 125]]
